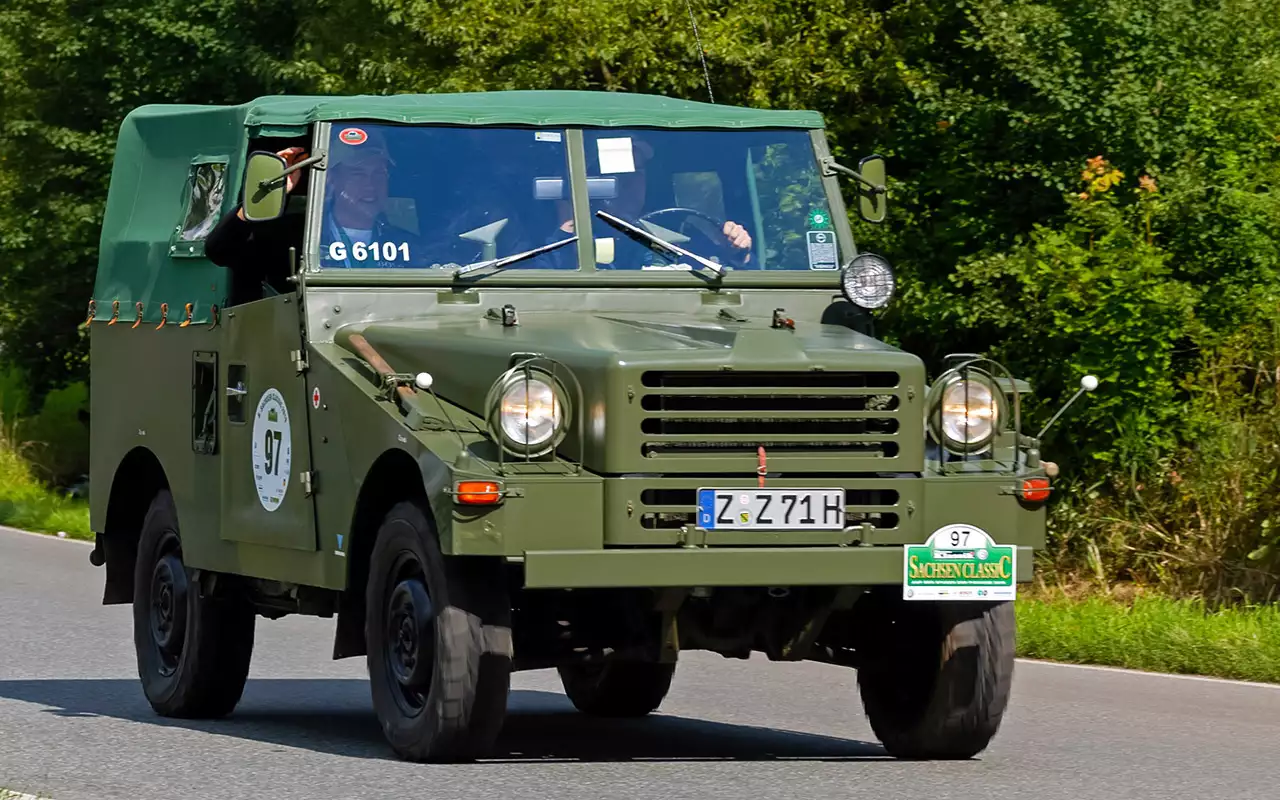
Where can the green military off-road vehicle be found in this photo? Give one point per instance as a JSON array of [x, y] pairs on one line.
[[523, 380]]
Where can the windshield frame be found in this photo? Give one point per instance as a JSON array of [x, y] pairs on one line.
[[586, 274]]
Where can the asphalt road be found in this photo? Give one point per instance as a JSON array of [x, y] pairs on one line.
[[74, 724]]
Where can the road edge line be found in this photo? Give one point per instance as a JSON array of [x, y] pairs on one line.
[[1146, 673], [53, 536]]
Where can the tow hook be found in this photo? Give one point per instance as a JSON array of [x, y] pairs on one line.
[[96, 556]]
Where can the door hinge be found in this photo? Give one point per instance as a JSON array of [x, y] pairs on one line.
[[308, 480], [299, 360]]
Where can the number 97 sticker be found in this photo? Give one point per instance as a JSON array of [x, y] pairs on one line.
[[959, 562], [272, 449]]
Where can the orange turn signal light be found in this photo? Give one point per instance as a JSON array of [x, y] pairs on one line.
[[477, 493], [1036, 490]]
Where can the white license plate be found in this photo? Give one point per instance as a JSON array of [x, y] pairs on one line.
[[770, 509]]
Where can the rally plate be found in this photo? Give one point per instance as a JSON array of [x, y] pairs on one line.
[[959, 562]]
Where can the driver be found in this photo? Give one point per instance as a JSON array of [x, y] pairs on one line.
[[629, 204]]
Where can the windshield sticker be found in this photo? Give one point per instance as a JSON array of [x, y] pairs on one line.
[[615, 155], [272, 449], [546, 136], [353, 136], [822, 250], [819, 219], [604, 250]]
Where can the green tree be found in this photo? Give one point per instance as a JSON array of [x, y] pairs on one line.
[[69, 72]]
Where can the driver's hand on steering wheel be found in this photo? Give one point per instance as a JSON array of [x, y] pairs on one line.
[[738, 237]]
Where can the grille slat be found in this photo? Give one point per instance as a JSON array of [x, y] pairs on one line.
[[732, 379], [798, 413], [764, 414]]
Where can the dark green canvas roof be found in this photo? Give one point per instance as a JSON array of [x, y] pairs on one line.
[[609, 109]]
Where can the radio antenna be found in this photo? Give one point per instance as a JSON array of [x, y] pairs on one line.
[[701, 53]]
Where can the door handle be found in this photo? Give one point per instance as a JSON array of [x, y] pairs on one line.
[[236, 391]]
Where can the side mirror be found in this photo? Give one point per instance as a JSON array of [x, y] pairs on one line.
[[264, 182], [872, 205]]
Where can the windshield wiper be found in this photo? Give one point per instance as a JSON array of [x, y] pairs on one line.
[[506, 261], [657, 243]]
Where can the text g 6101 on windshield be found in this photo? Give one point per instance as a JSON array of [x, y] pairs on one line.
[[376, 251]]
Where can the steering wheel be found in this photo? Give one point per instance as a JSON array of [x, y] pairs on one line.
[[727, 252]]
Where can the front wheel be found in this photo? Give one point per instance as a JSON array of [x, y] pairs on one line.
[[617, 688], [193, 650], [937, 679], [439, 643]]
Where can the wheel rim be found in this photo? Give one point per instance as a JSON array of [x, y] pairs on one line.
[[409, 638], [168, 611]]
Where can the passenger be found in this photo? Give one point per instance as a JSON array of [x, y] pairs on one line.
[[257, 253], [355, 209]]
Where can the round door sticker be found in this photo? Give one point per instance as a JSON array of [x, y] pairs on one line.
[[272, 451]]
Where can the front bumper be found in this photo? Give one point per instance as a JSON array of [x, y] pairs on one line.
[[588, 531], [723, 566]]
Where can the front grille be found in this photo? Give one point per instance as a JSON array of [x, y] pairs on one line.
[[875, 506], [728, 413]]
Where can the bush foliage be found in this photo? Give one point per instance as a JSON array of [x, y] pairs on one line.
[[1078, 186]]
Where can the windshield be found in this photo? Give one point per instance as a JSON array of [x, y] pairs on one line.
[[444, 197], [745, 199]]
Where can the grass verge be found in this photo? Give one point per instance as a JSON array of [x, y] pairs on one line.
[[25, 502], [1153, 633]]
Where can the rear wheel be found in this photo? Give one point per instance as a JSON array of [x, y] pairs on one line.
[[439, 643], [617, 688], [937, 679], [193, 650]]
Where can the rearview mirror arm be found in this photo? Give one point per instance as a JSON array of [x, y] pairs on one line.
[[830, 167], [306, 162]]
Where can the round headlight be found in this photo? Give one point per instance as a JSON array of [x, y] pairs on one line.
[[968, 414], [868, 281], [530, 415]]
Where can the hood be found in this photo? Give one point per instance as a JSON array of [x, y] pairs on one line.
[[465, 356], [664, 394]]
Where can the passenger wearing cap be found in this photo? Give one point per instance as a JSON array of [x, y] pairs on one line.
[[356, 198], [257, 253]]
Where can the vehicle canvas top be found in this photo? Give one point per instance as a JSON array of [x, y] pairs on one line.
[[152, 244], [533, 107]]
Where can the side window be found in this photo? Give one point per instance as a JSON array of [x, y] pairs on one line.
[[791, 199], [205, 190]]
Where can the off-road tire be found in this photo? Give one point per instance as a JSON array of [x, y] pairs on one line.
[[617, 688], [937, 683], [462, 710], [199, 670]]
